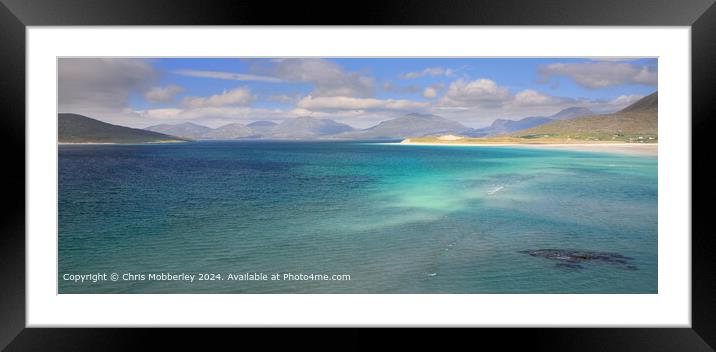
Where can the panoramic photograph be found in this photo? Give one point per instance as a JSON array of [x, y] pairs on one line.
[[357, 175]]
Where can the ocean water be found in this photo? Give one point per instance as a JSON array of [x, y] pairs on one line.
[[396, 218]]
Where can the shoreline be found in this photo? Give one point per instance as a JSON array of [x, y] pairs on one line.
[[643, 149], [115, 143]]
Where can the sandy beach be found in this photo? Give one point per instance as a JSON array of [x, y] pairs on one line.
[[646, 149]]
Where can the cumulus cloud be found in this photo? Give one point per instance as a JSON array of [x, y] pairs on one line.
[[237, 96], [328, 78], [430, 92], [430, 71], [91, 83], [163, 94], [350, 103], [531, 97], [601, 74], [483, 92], [227, 76]]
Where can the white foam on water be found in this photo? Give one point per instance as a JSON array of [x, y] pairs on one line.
[[495, 190]]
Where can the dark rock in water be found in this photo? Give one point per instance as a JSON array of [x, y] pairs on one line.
[[570, 258]]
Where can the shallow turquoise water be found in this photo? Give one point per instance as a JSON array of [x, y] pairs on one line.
[[397, 219]]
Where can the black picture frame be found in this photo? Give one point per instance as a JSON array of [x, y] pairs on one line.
[[15, 15]]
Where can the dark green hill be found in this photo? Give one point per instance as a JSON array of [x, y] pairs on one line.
[[647, 103], [73, 128], [635, 123]]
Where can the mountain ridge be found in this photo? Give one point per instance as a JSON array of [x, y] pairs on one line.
[[307, 127], [185, 130], [407, 125], [505, 126]]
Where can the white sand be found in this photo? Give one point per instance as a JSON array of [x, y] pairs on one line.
[[650, 149], [450, 137]]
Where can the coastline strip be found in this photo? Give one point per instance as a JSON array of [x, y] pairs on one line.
[[648, 149]]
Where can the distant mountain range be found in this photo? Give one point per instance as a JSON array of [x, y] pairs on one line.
[[503, 126], [185, 130], [293, 129], [262, 127], [73, 128], [230, 131], [306, 128], [309, 128], [408, 125], [77, 128]]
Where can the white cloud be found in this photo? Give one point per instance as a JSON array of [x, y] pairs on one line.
[[601, 74], [92, 83], [482, 92], [162, 94], [531, 97], [162, 114], [227, 76], [430, 92], [328, 78], [430, 71], [350, 103], [237, 96]]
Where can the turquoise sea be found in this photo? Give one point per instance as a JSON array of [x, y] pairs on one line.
[[396, 218]]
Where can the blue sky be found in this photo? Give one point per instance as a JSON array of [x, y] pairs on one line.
[[357, 91]]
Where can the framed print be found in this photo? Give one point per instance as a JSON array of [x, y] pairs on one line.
[[421, 168]]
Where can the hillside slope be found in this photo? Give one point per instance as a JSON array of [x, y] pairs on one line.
[[637, 122], [74, 128]]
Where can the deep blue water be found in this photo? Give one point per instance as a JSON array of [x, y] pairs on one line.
[[397, 219]]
